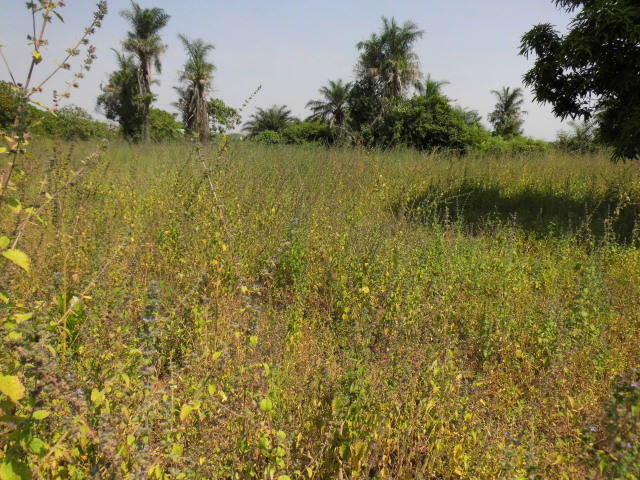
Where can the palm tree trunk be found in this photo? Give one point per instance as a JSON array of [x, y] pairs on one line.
[[202, 116], [146, 110]]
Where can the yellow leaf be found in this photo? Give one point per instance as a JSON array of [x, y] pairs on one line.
[[185, 411], [37, 57], [457, 451], [12, 387], [18, 257]]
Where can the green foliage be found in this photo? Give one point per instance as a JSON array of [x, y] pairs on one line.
[[144, 41], [614, 450], [268, 137], [164, 126], [507, 117], [426, 123], [69, 123], [388, 61], [333, 108], [121, 100], [196, 79], [222, 116], [582, 138], [9, 103], [499, 146], [592, 69], [308, 132], [275, 118]]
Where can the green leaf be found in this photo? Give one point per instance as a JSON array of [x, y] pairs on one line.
[[37, 57], [266, 405], [4, 297], [59, 16], [14, 204], [41, 414], [37, 447], [177, 449], [18, 257], [284, 477], [12, 387], [130, 439], [14, 470], [4, 242], [97, 396], [22, 317]]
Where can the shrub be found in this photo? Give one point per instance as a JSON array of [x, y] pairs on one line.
[[69, 123], [307, 132], [164, 126], [268, 137]]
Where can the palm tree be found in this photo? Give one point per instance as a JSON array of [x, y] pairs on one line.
[[333, 107], [120, 98], [507, 116], [388, 59], [433, 88], [145, 42], [197, 77], [275, 118]]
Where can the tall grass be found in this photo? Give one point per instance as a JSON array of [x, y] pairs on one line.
[[300, 312]]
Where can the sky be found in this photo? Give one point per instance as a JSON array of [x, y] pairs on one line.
[[291, 48]]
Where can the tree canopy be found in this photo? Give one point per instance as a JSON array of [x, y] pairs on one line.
[[592, 70], [506, 118], [143, 40], [196, 78]]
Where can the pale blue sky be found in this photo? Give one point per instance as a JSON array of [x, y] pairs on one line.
[[292, 47]]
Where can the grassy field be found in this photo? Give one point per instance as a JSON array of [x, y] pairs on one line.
[[250, 312]]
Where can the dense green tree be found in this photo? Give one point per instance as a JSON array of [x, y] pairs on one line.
[[145, 43], [276, 119], [222, 116], [386, 71], [506, 118], [592, 69], [387, 59], [309, 131], [69, 123], [120, 100], [333, 107], [427, 123], [164, 126], [196, 77]]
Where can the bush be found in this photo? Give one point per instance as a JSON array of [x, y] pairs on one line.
[[164, 126], [499, 146], [69, 123], [307, 132], [426, 123], [268, 137]]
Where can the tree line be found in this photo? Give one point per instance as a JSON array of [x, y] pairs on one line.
[[588, 75], [389, 103]]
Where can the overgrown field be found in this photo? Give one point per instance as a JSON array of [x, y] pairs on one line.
[[251, 312]]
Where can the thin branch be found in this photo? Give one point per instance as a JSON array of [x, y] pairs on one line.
[[6, 64]]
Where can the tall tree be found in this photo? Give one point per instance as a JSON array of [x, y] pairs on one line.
[[506, 118], [333, 107], [196, 77], [275, 118], [144, 41], [433, 88], [120, 99], [592, 69], [388, 59]]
